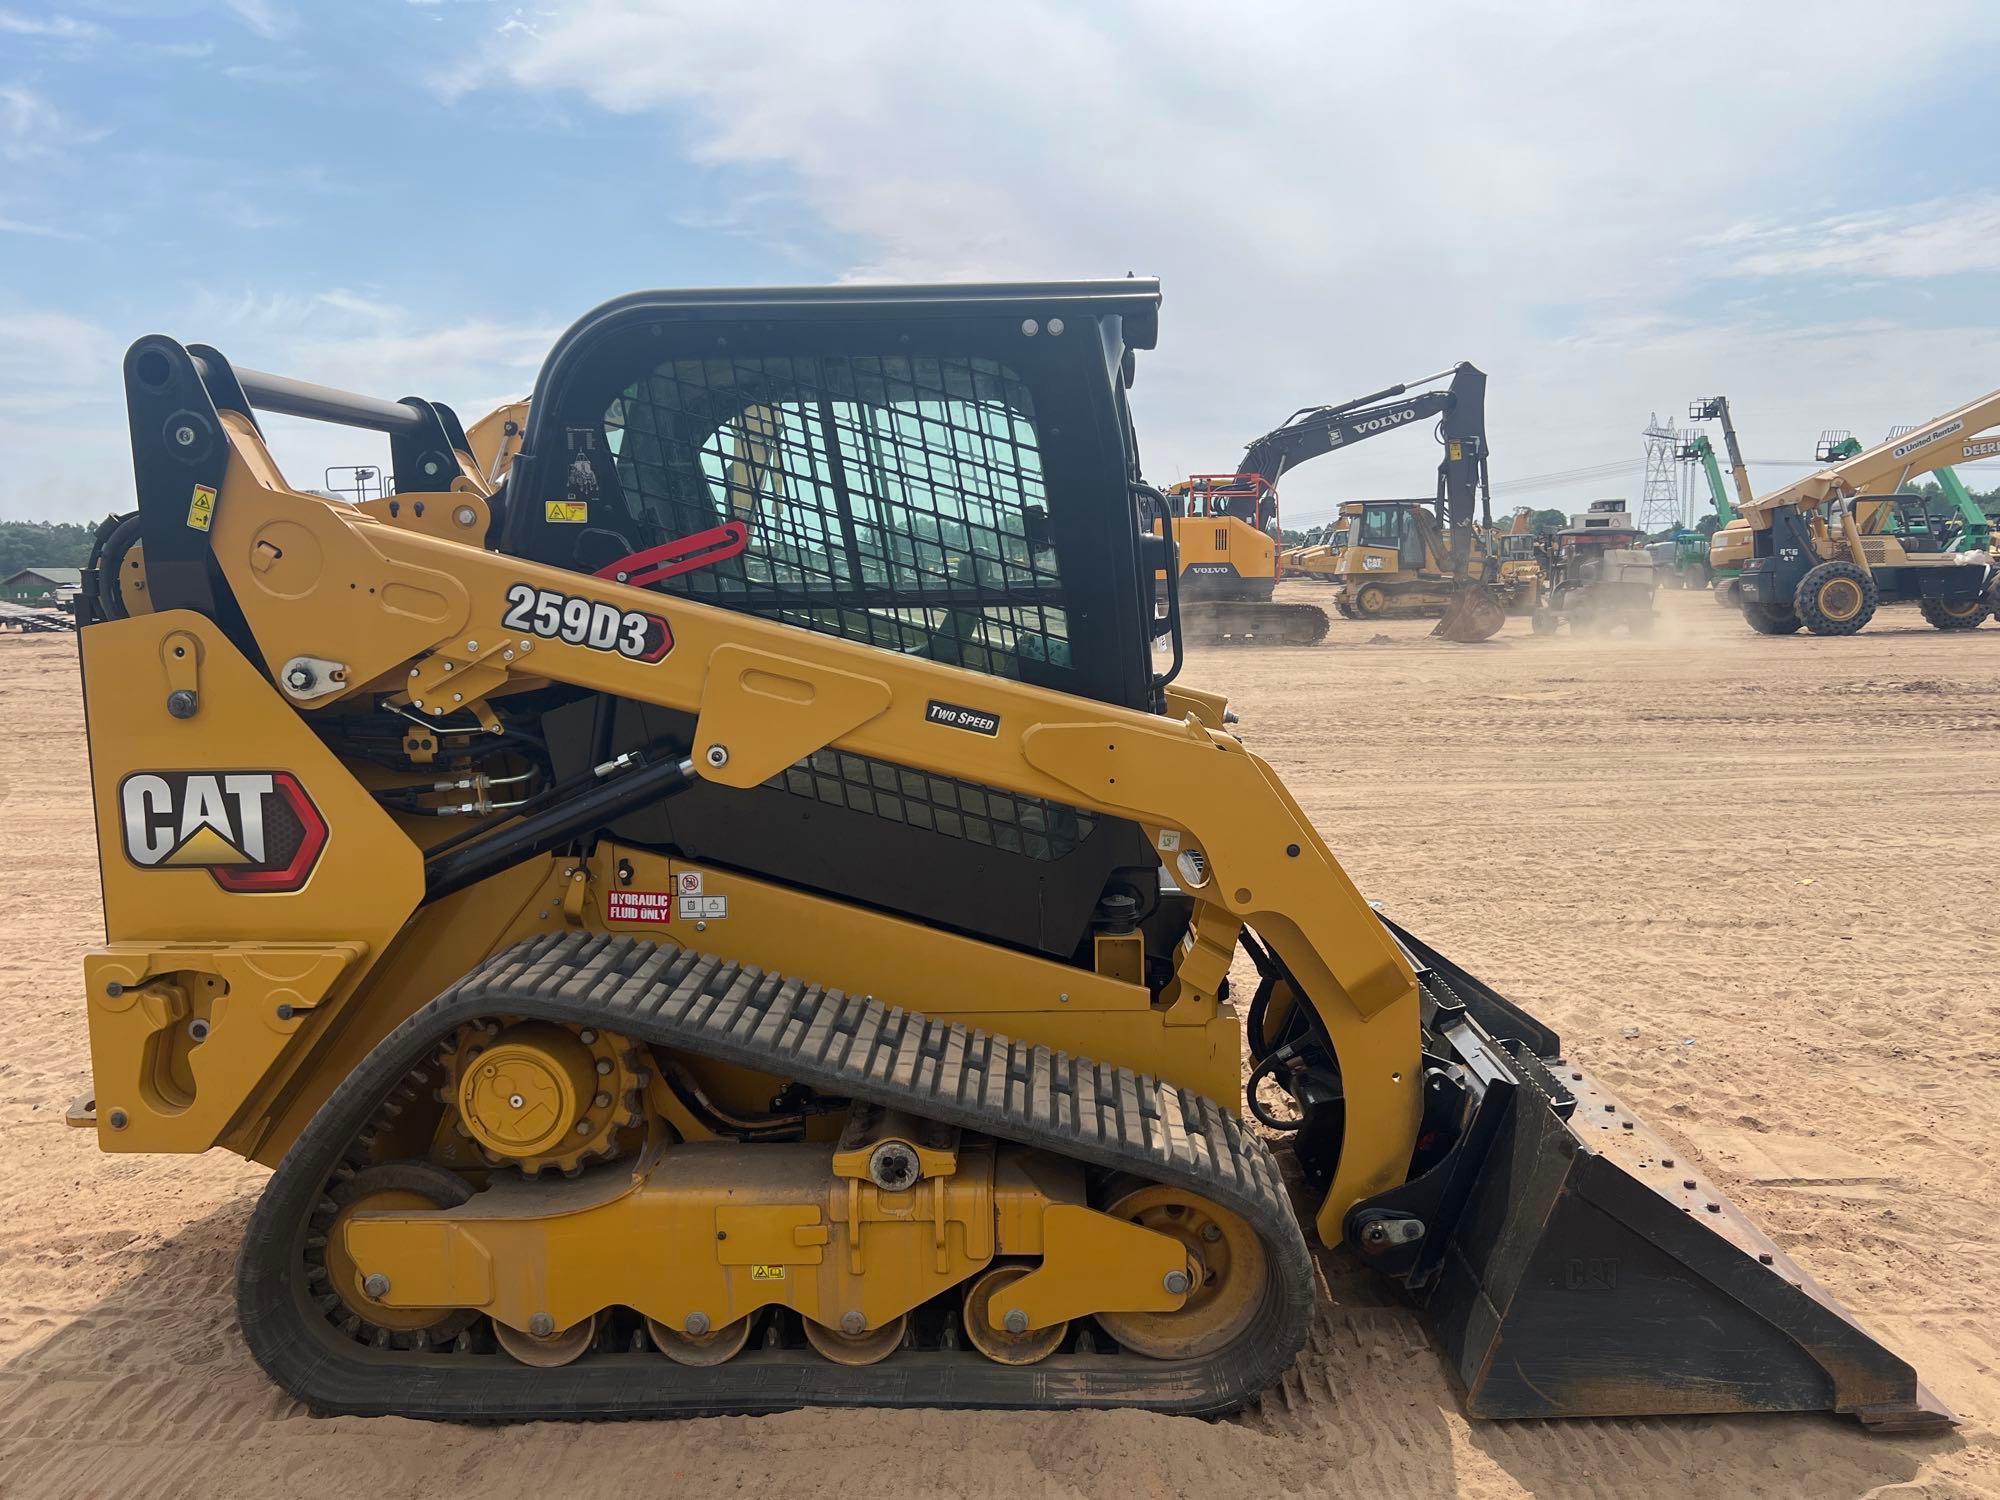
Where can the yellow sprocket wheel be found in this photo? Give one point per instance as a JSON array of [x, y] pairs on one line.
[[538, 1095], [1228, 1287]]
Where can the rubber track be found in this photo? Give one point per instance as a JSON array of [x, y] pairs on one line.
[[850, 1046]]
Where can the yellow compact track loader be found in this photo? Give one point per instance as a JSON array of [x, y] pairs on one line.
[[707, 902]]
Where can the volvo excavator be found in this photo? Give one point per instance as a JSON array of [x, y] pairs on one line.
[[1226, 535], [1226, 525], [707, 901], [1825, 550], [1429, 562]]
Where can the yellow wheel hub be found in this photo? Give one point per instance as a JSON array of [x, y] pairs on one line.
[[538, 1095], [523, 1095], [1840, 599], [1229, 1265]]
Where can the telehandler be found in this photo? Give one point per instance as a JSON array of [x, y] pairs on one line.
[[1825, 555], [709, 902]]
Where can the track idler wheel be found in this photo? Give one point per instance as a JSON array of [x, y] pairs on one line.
[[548, 1351], [715, 1347], [393, 1185], [986, 1320], [865, 1347], [1229, 1261]]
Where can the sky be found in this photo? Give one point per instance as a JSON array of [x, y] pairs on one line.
[[1613, 209]]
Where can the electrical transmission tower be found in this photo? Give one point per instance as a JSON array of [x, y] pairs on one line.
[[1660, 500]]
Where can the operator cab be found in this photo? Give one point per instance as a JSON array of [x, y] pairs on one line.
[[1249, 498]]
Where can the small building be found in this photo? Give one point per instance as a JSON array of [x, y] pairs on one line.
[[42, 585]]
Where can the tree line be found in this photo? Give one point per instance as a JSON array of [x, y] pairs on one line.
[[44, 544]]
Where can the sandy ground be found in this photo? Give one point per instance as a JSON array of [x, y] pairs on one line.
[[1751, 881]]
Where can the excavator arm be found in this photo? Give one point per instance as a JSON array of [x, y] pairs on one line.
[[1460, 407]]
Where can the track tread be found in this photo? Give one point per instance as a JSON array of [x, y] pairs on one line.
[[852, 1046]]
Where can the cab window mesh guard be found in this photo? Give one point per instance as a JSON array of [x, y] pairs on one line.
[[897, 501]]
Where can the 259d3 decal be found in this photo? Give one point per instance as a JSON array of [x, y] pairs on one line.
[[586, 622], [253, 831]]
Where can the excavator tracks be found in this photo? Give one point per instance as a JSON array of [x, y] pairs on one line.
[[1218, 622], [848, 1046]]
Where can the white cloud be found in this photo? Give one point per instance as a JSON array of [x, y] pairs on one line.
[[1333, 198], [277, 74], [57, 28], [1941, 237], [266, 18], [34, 130], [31, 230]]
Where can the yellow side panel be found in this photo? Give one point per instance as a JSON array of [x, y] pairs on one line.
[[366, 880], [188, 806]]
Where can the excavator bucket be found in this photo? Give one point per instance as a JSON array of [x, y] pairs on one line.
[[1472, 615], [1572, 1263]]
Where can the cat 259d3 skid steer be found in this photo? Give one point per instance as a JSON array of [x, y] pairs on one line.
[[734, 914]]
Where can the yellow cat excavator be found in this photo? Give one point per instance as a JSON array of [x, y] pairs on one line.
[[707, 901]]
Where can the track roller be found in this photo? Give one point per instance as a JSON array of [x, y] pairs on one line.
[[868, 1347], [986, 1320], [715, 1347], [547, 1351]]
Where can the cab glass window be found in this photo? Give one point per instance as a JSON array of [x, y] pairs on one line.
[[897, 501]]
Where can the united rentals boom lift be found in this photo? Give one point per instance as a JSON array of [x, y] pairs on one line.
[[711, 904], [1824, 555]]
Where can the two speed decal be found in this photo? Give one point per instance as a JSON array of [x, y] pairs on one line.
[[587, 622]]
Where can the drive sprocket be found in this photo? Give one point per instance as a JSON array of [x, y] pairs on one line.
[[538, 1095]]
